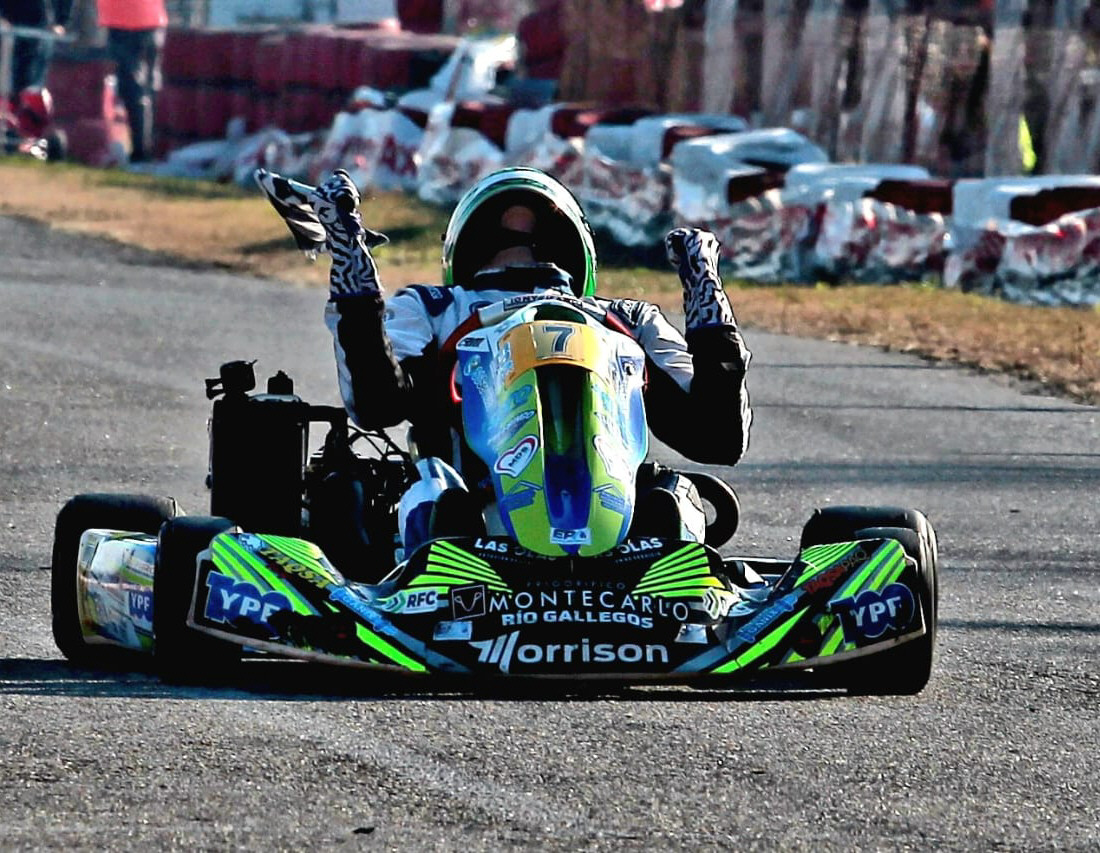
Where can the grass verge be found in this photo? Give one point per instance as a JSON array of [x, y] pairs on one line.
[[234, 229]]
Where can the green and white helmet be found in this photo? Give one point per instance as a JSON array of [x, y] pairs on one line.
[[562, 235]]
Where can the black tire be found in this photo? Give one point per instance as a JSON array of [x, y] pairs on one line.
[[727, 508], [136, 513], [181, 653], [905, 669]]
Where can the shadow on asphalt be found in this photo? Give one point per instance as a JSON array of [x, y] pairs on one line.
[[301, 682], [1027, 627]]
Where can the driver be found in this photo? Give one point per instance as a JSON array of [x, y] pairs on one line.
[[517, 231]]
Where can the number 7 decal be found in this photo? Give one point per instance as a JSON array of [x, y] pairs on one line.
[[561, 338]]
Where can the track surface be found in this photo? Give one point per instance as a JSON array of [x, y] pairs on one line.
[[102, 356]]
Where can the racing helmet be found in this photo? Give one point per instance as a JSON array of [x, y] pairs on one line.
[[561, 234]]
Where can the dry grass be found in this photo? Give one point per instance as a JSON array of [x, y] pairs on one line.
[[235, 229]]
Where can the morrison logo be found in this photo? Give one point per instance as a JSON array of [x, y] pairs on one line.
[[505, 650]]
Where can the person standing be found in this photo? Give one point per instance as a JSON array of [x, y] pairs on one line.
[[135, 41], [31, 56]]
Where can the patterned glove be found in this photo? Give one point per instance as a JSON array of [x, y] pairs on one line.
[[336, 203], [693, 252]]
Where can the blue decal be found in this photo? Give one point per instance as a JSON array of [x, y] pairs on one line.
[[230, 600], [611, 498], [436, 299], [751, 629], [871, 614], [520, 396], [357, 605], [141, 605], [518, 498]]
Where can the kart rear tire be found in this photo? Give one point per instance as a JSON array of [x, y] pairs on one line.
[[132, 513], [181, 653], [905, 669], [727, 508]]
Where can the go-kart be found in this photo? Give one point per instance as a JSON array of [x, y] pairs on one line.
[[551, 577]]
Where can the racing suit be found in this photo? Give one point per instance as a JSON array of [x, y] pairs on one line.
[[388, 351], [389, 365]]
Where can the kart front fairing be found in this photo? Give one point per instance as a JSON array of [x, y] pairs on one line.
[[649, 608], [552, 403]]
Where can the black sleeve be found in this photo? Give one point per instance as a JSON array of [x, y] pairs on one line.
[[377, 390], [708, 423]]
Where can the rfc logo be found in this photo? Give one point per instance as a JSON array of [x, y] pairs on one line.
[[468, 602], [871, 614]]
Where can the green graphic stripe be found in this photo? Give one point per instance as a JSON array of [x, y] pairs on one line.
[[230, 564], [304, 552], [456, 553], [685, 553], [294, 548], [676, 558], [130, 576], [447, 582], [887, 551], [889, 568], [449, 568], [833, 642], [763, 647], [388, 651], [675, 577], [686, 587], [895, 574], [445, 565], [701, 563], [255, 566], [266, 577], [822, 557]]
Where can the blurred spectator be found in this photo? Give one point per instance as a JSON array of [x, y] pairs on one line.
[[135, 41], [30, 56]]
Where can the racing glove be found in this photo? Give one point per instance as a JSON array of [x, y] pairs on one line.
[[327, 217], [693, 252]]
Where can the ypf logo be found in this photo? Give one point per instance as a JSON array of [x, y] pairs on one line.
[[230, 601], [871, 614]]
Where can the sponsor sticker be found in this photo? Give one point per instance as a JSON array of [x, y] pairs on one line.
[[468, 602], [461, 631], [230, 601], [871, 614], [141, 607], [506, 649], [412, 601], [514, 461], [571, 536], [472, 342], [752, 629]]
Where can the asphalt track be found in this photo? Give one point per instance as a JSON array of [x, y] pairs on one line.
[[102, 356]]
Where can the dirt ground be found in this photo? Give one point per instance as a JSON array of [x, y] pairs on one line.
[[207, 224]]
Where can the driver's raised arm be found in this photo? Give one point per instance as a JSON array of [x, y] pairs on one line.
[[696, 401], [376, 372]]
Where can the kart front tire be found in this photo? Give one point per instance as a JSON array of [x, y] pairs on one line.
[[906, 668], [130, 513], [181, 653]]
